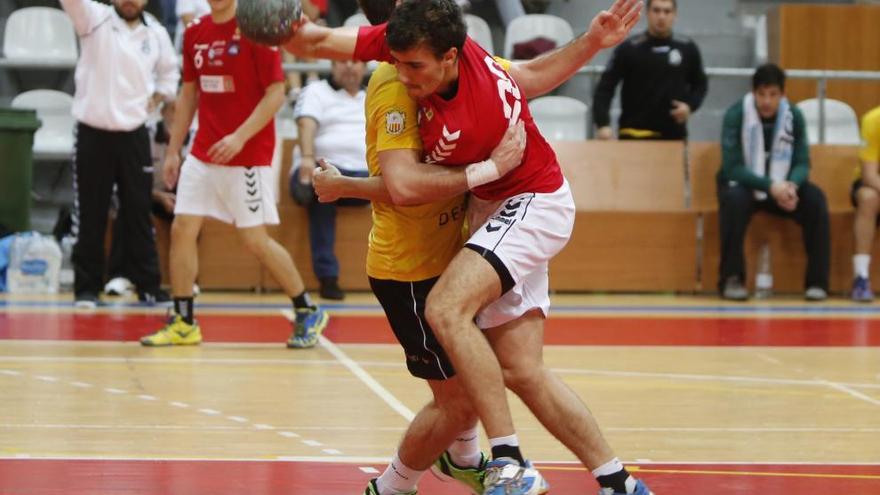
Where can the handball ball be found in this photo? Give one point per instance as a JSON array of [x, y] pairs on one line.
[[268, 22]]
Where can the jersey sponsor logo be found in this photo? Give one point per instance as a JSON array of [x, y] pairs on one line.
[[445, 146], [216, 84], [395, 122], [675, 57]]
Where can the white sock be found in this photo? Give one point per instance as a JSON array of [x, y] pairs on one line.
[[398, 478], [465, 450], [615, 466], [861, 265]]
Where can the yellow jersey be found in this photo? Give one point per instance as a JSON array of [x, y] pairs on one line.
[[870, 151], [407, 243]]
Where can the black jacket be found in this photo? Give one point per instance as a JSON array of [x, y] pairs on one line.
[[654, 72]]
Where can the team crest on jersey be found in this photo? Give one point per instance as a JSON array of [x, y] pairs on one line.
[[395, 122]]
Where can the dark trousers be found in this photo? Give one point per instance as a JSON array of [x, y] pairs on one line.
[[118, 265], [736, 206], [322, 229], [102, 159]]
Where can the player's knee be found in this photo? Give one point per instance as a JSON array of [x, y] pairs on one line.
[[867, 200], [439, 314], [255, 244], [183, 229], [523, 378]]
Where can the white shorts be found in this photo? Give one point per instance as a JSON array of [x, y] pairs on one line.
[[518, 237], [243, 196]]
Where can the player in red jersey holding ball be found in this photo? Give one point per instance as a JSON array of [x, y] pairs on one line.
[[237, 86]]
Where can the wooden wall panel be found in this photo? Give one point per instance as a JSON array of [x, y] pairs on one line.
[[831, 37]]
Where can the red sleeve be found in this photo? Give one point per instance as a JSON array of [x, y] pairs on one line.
[[268, 60], [371, 44], [189, 68]]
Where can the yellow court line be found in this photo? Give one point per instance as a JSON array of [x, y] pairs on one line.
[[728, 473]]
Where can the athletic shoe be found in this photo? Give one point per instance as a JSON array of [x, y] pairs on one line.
[[153, 298], [815, 293], [176, 332], [118, 286], [309, 325], [505, 476], [330, 289], [86, 300], [861, 290], [641, 489], [734, 290], [372, 489], [472, 478]]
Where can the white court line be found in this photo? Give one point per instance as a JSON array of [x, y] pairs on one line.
[[400, 365], [182, 405], [769, 359], [147, 397], [82, 384], [312, 443], [369, 470], [209, 412], [359, 372], [855, 393], [237, 419], [261, 426], [331, 451], [288, 434], [117, 391], [44, 378]]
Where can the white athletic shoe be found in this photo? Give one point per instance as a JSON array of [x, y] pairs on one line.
[[119, 286]]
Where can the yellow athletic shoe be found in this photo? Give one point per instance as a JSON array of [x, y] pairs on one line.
[[176, 332]]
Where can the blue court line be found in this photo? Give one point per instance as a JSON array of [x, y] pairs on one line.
[[567, 309]]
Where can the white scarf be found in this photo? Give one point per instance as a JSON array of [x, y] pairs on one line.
[[753, 142]]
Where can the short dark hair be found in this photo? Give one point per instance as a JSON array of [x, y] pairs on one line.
[[674, 4], [377, 11], [769, 75], [436, 23]]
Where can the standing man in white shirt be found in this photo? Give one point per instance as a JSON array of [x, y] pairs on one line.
[[126, 68], [330, 118]]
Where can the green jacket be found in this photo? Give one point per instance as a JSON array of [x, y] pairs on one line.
[[733, 165]]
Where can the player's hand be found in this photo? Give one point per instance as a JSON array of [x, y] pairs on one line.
[[509, 152], [153, 102], [612, 26], [785, 195], [224, 150], [681, 111], [166, 199], [605, 133], [171, 169], [327, 182]]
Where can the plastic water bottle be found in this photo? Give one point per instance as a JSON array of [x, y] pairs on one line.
[[65, 277], [764, 275]]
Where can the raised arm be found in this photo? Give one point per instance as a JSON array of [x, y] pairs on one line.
[[85, 14], [546, 72], [311, 40]]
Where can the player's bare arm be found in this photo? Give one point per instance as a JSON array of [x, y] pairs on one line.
[[313, 41], [224, 150], [546, 72], [184, 112]]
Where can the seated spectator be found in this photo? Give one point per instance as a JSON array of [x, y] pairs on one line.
[[866, 198], [330, 119], [765, 166]]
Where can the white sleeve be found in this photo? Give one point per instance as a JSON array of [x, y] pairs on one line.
[[85, 14], [310, 103], [167, 69]]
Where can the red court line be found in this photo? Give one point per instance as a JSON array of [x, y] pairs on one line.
[[711, 331], [89, 477]]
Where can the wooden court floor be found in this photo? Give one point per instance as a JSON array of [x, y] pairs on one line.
[[696, 395]]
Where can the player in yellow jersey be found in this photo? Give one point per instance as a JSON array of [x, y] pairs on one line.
[[866, 199]]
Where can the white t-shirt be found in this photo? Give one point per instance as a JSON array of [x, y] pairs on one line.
[[341, 134]]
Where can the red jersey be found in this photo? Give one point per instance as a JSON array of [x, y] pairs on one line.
[[231, 74], [466, 128]]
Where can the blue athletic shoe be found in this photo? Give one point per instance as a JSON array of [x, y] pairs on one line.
[[309, 325], [641, 489], [861, 290], [506, 477]]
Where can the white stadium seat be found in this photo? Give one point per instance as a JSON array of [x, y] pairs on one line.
[[528, 27], [560, 118], [40, 33], [841, 122], [54, 138]]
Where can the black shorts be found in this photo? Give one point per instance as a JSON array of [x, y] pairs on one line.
[[404, 305], [853, 190]]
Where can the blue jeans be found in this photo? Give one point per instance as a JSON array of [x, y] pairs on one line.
[[322, 228]]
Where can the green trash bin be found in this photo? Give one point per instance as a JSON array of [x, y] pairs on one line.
[[17, 127]]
